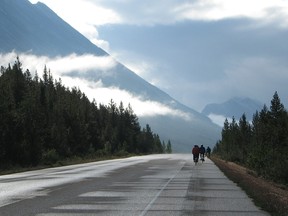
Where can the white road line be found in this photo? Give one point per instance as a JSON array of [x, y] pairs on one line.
[[148, 207]]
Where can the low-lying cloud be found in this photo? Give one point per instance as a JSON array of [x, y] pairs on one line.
[[61, 64], [94, 89], [219, 119]]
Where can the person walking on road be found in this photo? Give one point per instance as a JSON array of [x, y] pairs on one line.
[[202, 153], [195, 153]]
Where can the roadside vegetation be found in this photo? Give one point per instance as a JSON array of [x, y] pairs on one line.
[[261, 147], [43, 123]]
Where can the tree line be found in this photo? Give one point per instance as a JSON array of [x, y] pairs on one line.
[[262, 145], [42, 122]]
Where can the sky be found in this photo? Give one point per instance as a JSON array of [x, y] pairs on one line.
[[197, 51]]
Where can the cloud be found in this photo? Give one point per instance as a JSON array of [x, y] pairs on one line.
[[143, 66], [140, 106], [171, 11], [99, 12], [94, 89], [219, 119], [62, 65], [81, 63], [213, 10], [79, 12], [220, 9], [85, 15]]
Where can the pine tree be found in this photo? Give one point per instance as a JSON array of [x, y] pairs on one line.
[[169, 147], [42, 121], [245, 137]]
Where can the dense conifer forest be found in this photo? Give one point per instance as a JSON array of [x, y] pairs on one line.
[[42, 122], [262, 145]]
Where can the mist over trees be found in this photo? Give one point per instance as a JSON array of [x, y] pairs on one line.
[[42, 122], [261, 145]]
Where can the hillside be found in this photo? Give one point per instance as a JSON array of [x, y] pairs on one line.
[[36, 30]]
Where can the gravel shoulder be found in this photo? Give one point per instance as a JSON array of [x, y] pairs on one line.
[[269, 196]]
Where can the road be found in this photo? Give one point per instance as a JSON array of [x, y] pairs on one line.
[[145, 185]]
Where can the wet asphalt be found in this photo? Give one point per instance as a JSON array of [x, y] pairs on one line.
[[149, 185]]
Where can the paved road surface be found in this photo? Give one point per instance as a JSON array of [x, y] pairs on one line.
[[148, 185]]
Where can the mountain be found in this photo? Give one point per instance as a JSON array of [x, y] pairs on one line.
[[36, 29], [234, 107]]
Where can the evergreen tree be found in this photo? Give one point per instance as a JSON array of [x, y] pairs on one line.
[[259, 144], [278, 120], [41, 122], [169, 147], [245, 137]]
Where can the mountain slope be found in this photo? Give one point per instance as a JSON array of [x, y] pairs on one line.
[[35, 29]]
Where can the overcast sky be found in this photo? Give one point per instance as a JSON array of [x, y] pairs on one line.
[[198, 51]]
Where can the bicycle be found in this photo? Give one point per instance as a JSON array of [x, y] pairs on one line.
[[195, 159], [202, 157]]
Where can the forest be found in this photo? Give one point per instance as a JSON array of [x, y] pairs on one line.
[[43, 122], [260, 145]]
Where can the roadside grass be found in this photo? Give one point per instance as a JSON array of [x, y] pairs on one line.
[[269, 196]]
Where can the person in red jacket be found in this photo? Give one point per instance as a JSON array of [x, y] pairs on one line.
[[195, 152]]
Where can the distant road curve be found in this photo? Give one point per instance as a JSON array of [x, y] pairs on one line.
[[145, 185]]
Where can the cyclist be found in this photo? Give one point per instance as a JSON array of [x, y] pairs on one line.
[[195, 152], [208, 152], [202, 153]]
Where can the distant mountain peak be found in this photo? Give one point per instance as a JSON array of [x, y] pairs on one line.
[[234, 107]]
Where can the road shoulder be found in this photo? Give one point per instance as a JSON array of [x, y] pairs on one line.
[[269, 196]]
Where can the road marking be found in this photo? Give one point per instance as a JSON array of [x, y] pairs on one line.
[[148, 207]]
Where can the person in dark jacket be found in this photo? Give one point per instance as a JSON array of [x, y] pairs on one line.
[[202, 153], [195, 153], [208, 152]]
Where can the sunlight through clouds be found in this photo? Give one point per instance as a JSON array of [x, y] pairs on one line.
[[84, 16], [87, 15], [96, 13], [83, 11]]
